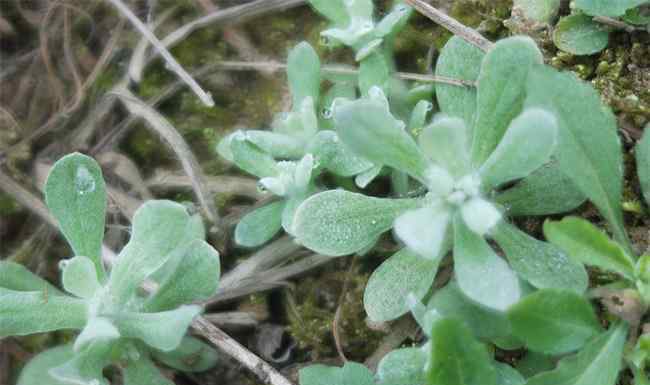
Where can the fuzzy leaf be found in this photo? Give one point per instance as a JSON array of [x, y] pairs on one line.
[[538, 10], [403, 366], [86, 366], [97, 328], [642, 151], [162, 331], [143, 372], [76, 195], [331, 154], [507, 375], [589, 149], [14, 276], [546, 191], [373, 72], [350, 374], [585, 243], [458, 60], [446, 142], [393, 21], [579, 34], [36, 372], [480, 216], [160, 229], [192, 355], [611, 8], [339, 222], [482, 275], [334, 10], [260, 225], [303, 71], [400, 275], [554, 321], [542, 264], [29, 312], [501, 90], [278, 145], [368, 129], [526, 146], [195, 277], [424, 230], [598, 363], [251, 158], [457, 358], [79, 277], [344, 90]]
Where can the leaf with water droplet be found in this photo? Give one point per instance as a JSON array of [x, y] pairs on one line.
[[75, 193], [332, 155]]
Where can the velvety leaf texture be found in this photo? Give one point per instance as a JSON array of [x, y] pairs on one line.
[[350, 374], [580, 35], [538, 10], [14, 276], [36, 372], [260, 225], [192, 355], [143, 371], [303, 71], [402, 367], [642, 151], [611, 8]]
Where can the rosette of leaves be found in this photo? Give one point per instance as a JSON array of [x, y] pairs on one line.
[[119, 324], [463, 169]]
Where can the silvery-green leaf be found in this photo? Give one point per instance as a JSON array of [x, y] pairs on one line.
[[404, 272], [457, 358], [195, 277], [351, 373], [479, 215], [446, 142], [339, 222], [29, 312], [542, 264], [367, 49], [343, 90], [36, 372], [485, 324], [251, 158], [598, 363], [352, 35], [546, 191], [260, 225], [458, 60], [482, 275], [589, 149], [303, 174], [275, 185], [143, 372], [526, 145], [86, 366], [552, 321], [424, 317], [419, 116], [363, 179], [611, 8], [501, 90], [192, 355], [276, 144], [507, 375], [332, 155], [76, 195], [368, 128], [424, 230], [586, 244], [579, 34], [403, 366], [97, 328], [79, 277], [160, 229], [439, 181], [334, 10], [14, 276], [538, 10], [308, 118], [163, 330], [373, 72], [303, 71], [289, 211], [642, 151], [394, 20]]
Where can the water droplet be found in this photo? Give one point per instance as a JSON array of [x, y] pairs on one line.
[[262, 188], [327, 113], [63, 264], [84, 181], [429, 106], [324, 40]]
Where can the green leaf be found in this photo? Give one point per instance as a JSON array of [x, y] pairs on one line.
[[373, 72], [79, 277], [637, 16], [554, 321], [278, 145], [484, 323], [14, 276], [546, 191], [458, 60], [538, 10], [97, 328], [36, 372], [507, 375], [598, 363], [446, 142], [403, 366], [403, 273], [394, 20], [334, 10], [526, 146], [344, 90], [419, 115], [501, 90], [424, 230], [303, 71], [367, 127], [542, 264], [259, 225], [339, 222], [589, 149], [642, 152], [86, 366], [143, 372], [457, 358], [160, 229], [163, 331], [330, 153], [249, 157], [482, 275], [579, 34], [192, 355], [585, 243], [350, 374], [194, 277], [76, 195], [534, 363], [611, 8], [29, 312]]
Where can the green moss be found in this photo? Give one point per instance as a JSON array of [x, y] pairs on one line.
[[8, 206]]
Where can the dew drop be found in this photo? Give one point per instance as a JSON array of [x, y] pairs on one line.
[[84, 181], [63, 264], [324, 40], [429, 106], [327, 113], [261, 188]]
